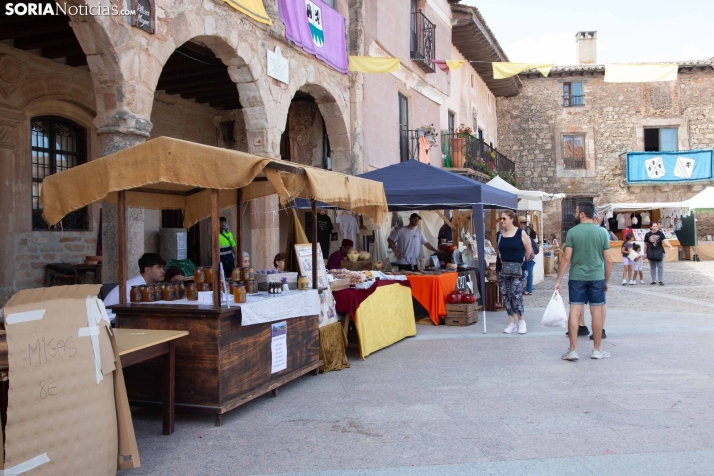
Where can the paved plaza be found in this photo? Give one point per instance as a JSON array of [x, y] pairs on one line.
[[455, 401]]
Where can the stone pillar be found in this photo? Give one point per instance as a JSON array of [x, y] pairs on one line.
[[265, 231], [8, 131], [122, 130]]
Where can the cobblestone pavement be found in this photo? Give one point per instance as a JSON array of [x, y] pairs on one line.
[[456, 401]]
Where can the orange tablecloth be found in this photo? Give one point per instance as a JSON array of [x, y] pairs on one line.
[[431, 292]]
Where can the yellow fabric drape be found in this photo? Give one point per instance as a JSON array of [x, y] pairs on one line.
[[640, 73], [252, 8], [386, 317], [371, 64], [454, 64], [506, 70], [332, 348]]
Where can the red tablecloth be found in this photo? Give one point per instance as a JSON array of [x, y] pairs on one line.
[[348, 300]]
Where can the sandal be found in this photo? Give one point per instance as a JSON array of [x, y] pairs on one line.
[[526, 293]]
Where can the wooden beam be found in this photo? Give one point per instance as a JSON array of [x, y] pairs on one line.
[[121, 231], [313, 206], [239, 241], [285, 167], [61, 50], [29, 28], [215, 250], [45, 40]]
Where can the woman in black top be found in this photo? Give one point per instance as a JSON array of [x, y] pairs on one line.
[[514, 246], [654, 251]]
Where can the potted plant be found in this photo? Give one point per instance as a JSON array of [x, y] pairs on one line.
[[458, 144]]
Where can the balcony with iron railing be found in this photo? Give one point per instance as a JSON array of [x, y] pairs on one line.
[[573, 101], [423, 41], [467, 151]]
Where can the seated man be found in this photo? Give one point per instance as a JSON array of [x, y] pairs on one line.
[[151, 266], [335, 260], [245, 260]]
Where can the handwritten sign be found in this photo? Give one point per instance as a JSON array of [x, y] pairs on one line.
[[144, 16], [278, 67]]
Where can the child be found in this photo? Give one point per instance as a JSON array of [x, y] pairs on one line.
[[637, 265], [625, 250]]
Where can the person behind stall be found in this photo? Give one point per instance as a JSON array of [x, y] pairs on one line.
[[554, 241], [626, 261], [174, 274], [446, 234], [279, 262], [245, 262], [335, 260], [227, 247], [637, 264], [406, 243], [151, 268]]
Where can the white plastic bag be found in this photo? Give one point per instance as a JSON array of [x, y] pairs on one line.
[[555, 315]]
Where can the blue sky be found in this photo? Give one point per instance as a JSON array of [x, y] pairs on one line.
[[627, 30]]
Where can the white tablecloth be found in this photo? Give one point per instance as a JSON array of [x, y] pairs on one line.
[[263, 307]]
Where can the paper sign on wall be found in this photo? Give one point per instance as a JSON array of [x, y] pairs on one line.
[[278, 67], [279, 346]]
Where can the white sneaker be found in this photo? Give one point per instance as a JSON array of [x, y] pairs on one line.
[[522, 327], [642, 282], [624, 281], [632, 283], [571, 355], [510, 329], [599, 354]]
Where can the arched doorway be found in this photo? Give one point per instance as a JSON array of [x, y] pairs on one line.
[[305, 139]]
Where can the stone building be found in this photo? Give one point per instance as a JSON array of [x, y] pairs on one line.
[[75, 87], [570, 132]]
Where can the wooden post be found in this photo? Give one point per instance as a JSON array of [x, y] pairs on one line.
[[493, 228], [121, 229], [314, 244], [239, 237], [215, 250]]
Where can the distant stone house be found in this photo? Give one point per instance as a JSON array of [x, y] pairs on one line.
[[570, 132]]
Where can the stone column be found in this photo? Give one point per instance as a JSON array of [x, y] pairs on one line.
[[265, 231], [8, 131], [122, 130]]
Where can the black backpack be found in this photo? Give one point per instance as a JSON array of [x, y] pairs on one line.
[[536, 248]]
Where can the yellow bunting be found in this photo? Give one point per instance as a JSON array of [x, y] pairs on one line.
[[640, 73], [371, 64], [506, 70], [454, 64], [252, 8]]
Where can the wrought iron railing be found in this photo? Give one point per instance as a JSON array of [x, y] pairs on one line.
[[423, 41], [569, 100], [471, 152]]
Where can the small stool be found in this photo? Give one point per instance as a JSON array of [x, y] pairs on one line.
[[55, 272]]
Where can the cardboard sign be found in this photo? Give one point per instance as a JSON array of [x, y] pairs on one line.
[[62, 411]]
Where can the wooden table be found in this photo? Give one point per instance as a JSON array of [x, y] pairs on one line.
[[138, 345]]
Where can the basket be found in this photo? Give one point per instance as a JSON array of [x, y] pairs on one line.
[[264, 279]]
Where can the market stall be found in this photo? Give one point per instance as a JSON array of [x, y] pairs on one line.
[[702, 202], [531, 202], [412, 185], [229, 357]]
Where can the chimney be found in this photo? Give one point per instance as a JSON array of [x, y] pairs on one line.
[[586, 47]]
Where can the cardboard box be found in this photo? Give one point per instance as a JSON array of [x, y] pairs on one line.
[[356, 265], [68, 412]]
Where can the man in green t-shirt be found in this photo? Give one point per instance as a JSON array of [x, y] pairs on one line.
[[586, 247]]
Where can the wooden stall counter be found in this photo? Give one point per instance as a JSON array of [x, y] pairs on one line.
[[224, 361], [669, 255]]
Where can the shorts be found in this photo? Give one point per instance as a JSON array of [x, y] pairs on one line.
[[637, 265], [587, 292], [626, 261]]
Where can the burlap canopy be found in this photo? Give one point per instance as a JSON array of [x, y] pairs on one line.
[[166, 173]]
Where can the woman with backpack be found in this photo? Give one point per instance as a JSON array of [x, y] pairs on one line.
[[654, 251]]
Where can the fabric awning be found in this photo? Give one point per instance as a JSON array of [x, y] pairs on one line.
[[166, 173], [528, 199]]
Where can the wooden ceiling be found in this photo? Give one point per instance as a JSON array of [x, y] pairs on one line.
[[194, 72], [472, 37], [49, 36]]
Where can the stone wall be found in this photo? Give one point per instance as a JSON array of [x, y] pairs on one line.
[[305, 130], [531, 126], [173, 116]]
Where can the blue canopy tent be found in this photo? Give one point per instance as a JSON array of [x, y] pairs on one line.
[[413, 185]]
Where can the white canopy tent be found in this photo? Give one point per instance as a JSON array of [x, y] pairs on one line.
[[529, 200]]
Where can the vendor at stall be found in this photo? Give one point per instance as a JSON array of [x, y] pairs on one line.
[[151, 267], [174, 274], [245, 262], [406, 243], [227, 247], [335, 261], [279, 262], [445, 234]]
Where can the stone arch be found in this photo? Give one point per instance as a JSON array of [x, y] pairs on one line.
[[334, 107]]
